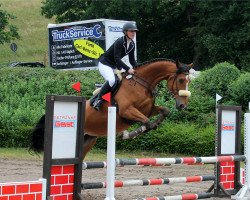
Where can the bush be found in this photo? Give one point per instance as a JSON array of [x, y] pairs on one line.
[[216, 80], [19, 137], [22, 97], [240, 90]]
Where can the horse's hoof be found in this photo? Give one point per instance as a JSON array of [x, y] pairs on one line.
[[125, 135]]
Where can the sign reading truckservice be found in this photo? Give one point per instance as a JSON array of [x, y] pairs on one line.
[[76, 45]]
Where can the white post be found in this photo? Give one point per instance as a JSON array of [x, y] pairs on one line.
[[244, 193], [110, 190], [44, 186]]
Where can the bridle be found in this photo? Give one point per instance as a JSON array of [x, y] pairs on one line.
[[175, 91], [153, 91], [144, 83]]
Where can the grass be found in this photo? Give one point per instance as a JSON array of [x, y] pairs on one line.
[[94, 155], [32, 27], [17, 153]]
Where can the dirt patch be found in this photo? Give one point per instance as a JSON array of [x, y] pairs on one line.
[[25, 170]]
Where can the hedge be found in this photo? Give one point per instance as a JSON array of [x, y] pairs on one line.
[[22, 103], [216, 79], [240, 90]]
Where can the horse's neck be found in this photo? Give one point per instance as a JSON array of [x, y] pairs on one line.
[[156, 72]]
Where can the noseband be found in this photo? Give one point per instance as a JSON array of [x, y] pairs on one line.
[[185, 93]]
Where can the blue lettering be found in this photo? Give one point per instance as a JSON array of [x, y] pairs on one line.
[[115, 29], [69, 34]]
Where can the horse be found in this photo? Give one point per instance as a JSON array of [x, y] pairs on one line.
[[136, 103]]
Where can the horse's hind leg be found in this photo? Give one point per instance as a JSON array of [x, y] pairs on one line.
[[88, 143]]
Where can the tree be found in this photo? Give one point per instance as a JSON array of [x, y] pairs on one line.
[[221, 32], [206, 32], [7, 31]]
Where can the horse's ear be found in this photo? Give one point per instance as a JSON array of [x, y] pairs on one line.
[[178, 64], [190, 65]]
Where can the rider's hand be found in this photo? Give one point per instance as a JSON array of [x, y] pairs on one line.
[[131, 71]]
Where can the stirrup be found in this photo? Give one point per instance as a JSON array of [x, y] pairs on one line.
[[97, 104]]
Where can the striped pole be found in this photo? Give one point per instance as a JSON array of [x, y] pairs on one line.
[[185, 160], [181, 197], [146, 182], [103, 164], [94, 165], [165, 161]]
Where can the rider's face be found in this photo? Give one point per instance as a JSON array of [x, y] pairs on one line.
[[131, 34]]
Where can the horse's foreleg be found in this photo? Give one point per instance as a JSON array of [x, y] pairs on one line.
[[128, 135], [163, 113], [88, 143], [159, 110], [134, 114]]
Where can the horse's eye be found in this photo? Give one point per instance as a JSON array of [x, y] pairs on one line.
[[181, 81]]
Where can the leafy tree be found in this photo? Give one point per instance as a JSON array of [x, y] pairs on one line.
[[206, 32], [7, 31], [221, 32]]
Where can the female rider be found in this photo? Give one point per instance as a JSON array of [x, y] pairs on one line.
[[111, 60]]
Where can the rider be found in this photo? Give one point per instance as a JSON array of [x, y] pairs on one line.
[[111, 60]]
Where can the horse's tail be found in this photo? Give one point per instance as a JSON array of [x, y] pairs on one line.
[[37, 136]]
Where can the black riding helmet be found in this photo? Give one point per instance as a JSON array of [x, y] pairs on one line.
[[129, 26]]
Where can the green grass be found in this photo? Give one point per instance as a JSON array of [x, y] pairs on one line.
[[94, 155], [33, 45], [17, 153]]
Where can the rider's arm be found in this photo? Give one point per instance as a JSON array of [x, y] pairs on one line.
[[131, 57], [118, 58]]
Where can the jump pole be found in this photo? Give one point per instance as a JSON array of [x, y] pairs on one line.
[[111, 164]]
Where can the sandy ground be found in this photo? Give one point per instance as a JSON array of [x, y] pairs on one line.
[[24, 170]]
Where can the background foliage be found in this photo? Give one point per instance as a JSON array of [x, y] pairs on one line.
[[206, 32], [22, 103], [7, 30]]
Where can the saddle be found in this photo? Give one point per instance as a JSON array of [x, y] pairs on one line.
[[114, 90]]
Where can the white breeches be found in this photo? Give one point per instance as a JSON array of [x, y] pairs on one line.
[[107, 73]]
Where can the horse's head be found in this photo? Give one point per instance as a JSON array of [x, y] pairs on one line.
[[178, 85]]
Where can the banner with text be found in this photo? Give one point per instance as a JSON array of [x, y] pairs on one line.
[[77, 45]]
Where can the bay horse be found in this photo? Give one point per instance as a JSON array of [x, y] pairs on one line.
[[135, 99]]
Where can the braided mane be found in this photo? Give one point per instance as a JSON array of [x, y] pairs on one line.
[[153, 60]]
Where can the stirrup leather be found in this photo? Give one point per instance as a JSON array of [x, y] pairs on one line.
[[97, 104]]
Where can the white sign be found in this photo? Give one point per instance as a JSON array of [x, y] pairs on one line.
[[64, 130], [228, 131]]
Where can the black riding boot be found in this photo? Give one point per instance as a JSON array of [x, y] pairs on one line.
[[104, 90]]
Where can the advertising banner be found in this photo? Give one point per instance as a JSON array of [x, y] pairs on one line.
[[76, 45]]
